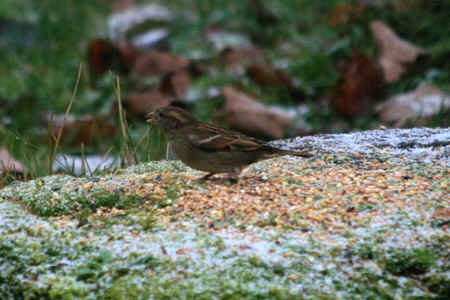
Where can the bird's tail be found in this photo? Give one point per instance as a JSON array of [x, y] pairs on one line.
[[302, 153], [273, 152]]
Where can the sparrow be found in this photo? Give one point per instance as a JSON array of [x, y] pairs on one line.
[[211, 149]]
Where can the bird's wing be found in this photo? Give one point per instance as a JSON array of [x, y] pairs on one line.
[[210, 138]]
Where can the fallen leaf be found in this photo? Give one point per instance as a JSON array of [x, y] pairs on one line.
[[128, 54], [235, 58], [395, 54], [8, 165], [360, 79], [158, 63], [418, 105], [344, 13], [87, 130], [121, 5], [138, 105], [267, 75], [176, 83], [104, 55], [244, 113]]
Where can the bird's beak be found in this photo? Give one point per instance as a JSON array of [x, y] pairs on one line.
[[151, 118]]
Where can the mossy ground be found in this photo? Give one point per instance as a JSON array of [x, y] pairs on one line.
[[130, 246]]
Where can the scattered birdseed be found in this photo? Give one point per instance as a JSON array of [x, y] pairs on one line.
[[328, 226]]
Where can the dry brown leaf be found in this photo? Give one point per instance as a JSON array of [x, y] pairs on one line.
[[104, 55], [128, 54], [8, 164], [85, 130], [157, 63], [121, 5], [234, 58], [418, 105], [266, 75], [138, 105], [176, 84], [344, 13], [360, 79], [246, 114], [395, 53]]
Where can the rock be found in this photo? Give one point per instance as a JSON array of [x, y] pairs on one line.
[[394, 145]]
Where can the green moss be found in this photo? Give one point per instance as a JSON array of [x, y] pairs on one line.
[[366, 251], [439, 285], [46, 197], [148, 220], [270, 220], [406, 262], [126, 288]]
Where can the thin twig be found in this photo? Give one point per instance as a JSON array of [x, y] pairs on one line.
[[123, 124], [145, 135], [69, 107]]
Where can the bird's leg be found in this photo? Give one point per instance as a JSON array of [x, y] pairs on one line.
[[233, 180], [207, 176], [234, 175]]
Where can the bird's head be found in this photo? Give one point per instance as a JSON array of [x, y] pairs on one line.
[[170, 117]]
